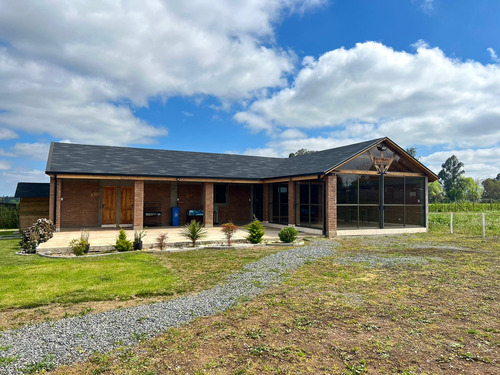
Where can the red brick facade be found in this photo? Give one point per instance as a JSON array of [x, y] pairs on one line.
[[291, 203], [238, 207], [157, 195], [138, 204], [190, 198], [331, 205], [80, 203], [208, 204]]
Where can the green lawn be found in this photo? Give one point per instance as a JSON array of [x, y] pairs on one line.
[[30, 281], [465, 223]]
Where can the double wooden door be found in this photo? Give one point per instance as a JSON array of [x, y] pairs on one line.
[[110, 201]]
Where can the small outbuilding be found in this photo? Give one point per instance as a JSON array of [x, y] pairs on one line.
[[363, 188], [33, 202]]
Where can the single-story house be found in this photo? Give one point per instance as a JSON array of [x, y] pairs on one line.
[[367, 187], [33, 202]]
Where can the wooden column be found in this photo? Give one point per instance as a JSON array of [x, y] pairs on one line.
[[208, 204], [265, 203], [291, 203], [331, 206], [58, 205], [138, 205], [52, 199]]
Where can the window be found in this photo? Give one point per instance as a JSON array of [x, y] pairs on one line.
[[220, 193], [279, 204], [310, 204]]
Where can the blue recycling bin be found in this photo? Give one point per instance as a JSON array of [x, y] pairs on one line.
[[176, 212]]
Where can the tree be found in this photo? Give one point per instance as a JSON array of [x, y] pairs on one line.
[[300, 152], [412, 151], [492, 188], [435, 192], [450, 177], [473, 191]]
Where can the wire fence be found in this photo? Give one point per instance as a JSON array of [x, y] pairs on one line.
[[469, 223]]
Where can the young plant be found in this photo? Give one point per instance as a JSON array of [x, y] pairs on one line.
[[122, 244], [138, 236], [161, 241], [229, 229], [255, 231], [78, 246], [194, 231], [288, 234]]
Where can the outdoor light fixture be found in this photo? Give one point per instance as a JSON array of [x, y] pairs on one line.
[[382, 147]]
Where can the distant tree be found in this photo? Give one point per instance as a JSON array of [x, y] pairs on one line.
[[300, 152], [473, 191], [498, 177], [412, 151], [435, 192], [450, 177], [492, 188]]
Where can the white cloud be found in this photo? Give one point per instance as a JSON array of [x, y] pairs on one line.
[[75, 71], [370, 90], [479, 163], [4, 165], [493, 55], [427, 6], [292, 134], [13, 176], [6, 133], [32, 151]]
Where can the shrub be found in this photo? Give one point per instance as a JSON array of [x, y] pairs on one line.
[[288, 234], [161, 241], [78, 246], [255, 231], [229, 229], [41, 231], [138, 236], [194, 231], [122, 244], [9, 217]]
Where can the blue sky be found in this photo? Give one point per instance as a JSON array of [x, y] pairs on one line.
[[254, 77]]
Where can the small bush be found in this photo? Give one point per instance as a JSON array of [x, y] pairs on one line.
[[78, 246], [138, 236], [41, 231], [194, 231], [255, 231], [122, 244], [288, 234], [9, 217], [161, 241], [229, 229]]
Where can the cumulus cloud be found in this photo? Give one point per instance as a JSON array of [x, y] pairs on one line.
[[421, 98], [13, 176], [78, 70], [33, 151], [4, 165], [7, 133], [493, 55]]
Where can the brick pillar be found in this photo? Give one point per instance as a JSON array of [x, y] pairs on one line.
[[208, 204], [52, 198], [331, 206], [58, 205], [265, 203], [291, 203], [138, 205]]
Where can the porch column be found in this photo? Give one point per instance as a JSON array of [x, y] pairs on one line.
[[208, 204], [138, 205], [331, 206], [52, 199], [265, 203], [291, 203], [58, 196]]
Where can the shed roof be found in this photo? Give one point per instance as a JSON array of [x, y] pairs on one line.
[[70, 158], [32, 190]]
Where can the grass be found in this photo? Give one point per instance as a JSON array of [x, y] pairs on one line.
[[29, 282], [435, 311], [466, 223]]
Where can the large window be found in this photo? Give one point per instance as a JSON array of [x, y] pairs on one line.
[[279, 204], [310, 204], [404, 201]]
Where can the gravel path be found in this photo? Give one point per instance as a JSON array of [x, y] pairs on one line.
[[74, 339]]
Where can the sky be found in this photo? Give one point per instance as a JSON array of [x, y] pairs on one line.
[[255, 77]]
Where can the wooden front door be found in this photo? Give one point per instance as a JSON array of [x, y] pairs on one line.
[[126, 205], [109, 205]]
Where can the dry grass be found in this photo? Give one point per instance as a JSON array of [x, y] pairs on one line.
[[419, 304]]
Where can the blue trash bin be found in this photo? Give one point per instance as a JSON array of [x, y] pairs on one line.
[[176, 212]]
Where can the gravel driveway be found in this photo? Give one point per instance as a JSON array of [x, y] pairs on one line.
[[74, 339]]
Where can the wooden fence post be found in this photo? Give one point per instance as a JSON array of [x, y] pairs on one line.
[[451, 223]]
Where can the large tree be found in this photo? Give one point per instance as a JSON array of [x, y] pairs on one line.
[[473, 190], [492, 188], [450, 177], [435, 192], [300, 152]]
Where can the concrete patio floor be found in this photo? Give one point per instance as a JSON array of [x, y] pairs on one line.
[[102, 239]]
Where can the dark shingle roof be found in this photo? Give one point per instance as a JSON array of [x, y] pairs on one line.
[[69, 158], [32, 190]]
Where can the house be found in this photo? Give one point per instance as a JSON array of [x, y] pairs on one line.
[[367, 187], [33, 202]]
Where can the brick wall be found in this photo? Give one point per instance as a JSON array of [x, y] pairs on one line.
[[190, 198], [331, 206], [32, 209], [80, 205], [158, 192], [208, 204], [239, 206], [138, 204], [291, 203]]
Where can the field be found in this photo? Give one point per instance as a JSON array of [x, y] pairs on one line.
[[465, 223], [413, 304]]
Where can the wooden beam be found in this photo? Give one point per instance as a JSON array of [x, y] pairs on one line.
[[286, 179], [375, 173]]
